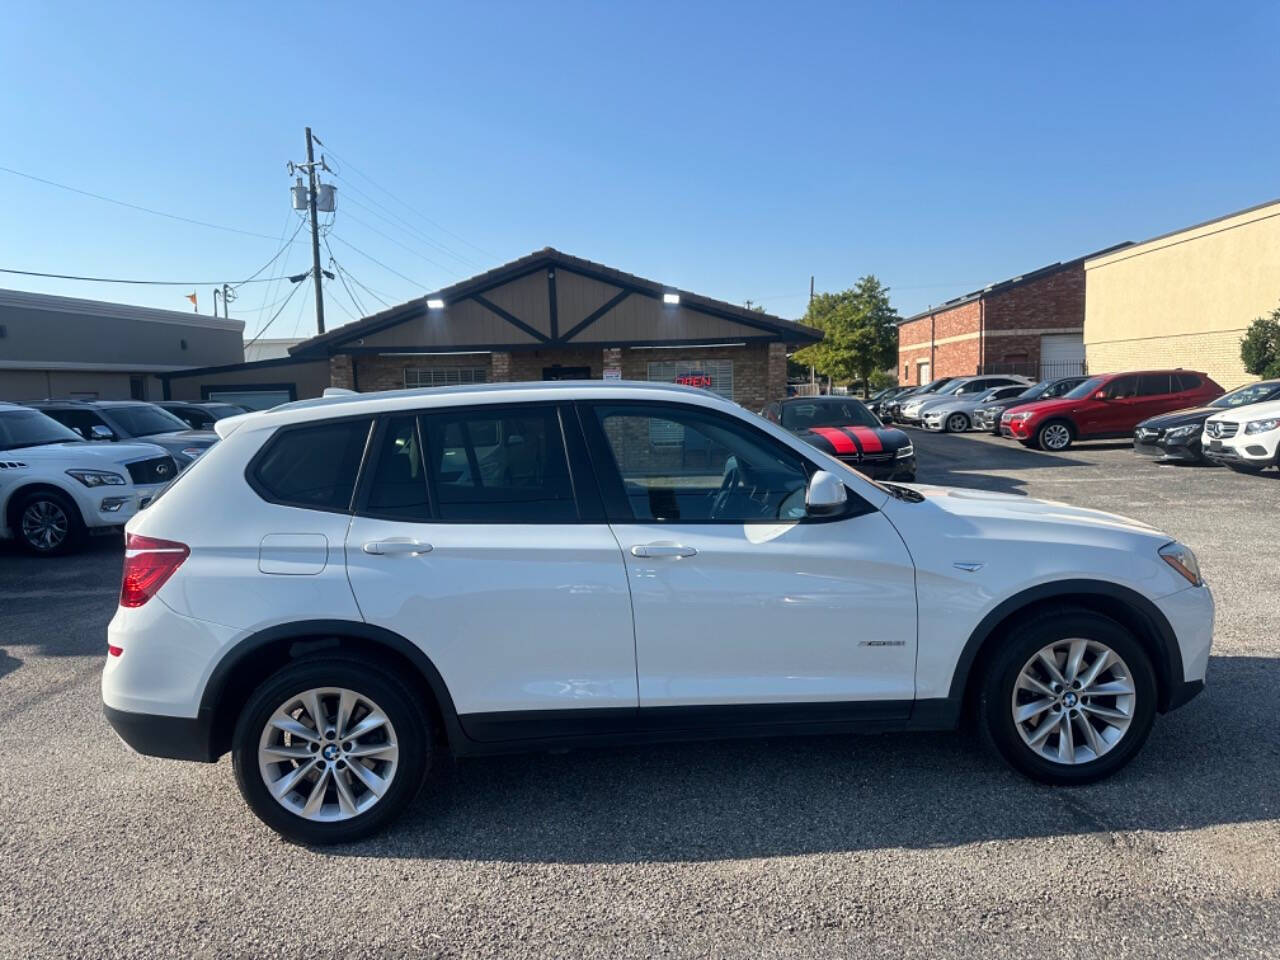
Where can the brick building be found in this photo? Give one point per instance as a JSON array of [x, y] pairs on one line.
[[551, 316], [1031, 325]]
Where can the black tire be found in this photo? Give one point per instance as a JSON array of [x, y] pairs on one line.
[[47, 503], [1050, 428], [949, 424], [995, 703], [400, 705]]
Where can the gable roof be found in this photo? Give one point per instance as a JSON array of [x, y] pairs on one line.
[[1003, 285], [765, 326]]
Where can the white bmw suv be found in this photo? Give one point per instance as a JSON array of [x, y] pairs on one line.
[[55, 487], [344, 589]]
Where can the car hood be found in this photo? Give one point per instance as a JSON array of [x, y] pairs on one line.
[[89, 454], [855, 440], [1179, 418], [984, 507], [184, 438], [1056, 405], [1251, 411]]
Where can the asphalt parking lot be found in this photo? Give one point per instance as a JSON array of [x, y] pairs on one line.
[[905, 845]]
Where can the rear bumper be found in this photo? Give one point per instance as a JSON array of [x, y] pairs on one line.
[[175, 738]]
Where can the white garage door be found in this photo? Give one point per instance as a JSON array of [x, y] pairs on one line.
[[1061, 355]]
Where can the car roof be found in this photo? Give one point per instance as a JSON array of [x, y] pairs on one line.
[[387, 401], [87, 403]]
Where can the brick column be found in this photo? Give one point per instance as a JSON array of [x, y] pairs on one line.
[[610, 357], [776, 375], [500, 366], [340, 372]]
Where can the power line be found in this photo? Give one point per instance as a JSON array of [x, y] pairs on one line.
[[149, 283], [418, 213], [283, 247], [395, 220], [382, 298], [384, 236], [134, 206], [259, 334], [348, 243], [333, 262]]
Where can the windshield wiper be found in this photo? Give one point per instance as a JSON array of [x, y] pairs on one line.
[[904, 494]]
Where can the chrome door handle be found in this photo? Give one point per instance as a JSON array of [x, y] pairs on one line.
[[663, 550], [396, 546]]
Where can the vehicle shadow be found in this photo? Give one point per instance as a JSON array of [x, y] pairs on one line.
[[982, 462], [8, 663], [1213, 762]]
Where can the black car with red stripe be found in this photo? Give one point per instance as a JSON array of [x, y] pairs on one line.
[[844, 428]]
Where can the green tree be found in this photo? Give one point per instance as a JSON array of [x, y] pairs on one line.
[[1260, 348], [861, 336]]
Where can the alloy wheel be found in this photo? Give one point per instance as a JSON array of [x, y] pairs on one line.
[[958, 423], [1073, 701], [328, 754], [45, 524], [1056, 436]]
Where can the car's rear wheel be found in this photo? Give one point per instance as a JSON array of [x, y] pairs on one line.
[[47, 523], [1069, 698], [956, 423], [1054, 436], [330, 751]]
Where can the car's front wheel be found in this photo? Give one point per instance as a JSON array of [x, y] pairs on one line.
[[956, 423], [47, 523], [330, 750], [1069, 697], [1054, 436]]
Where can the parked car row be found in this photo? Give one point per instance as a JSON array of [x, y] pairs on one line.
[[69, 468], [1171, 415]]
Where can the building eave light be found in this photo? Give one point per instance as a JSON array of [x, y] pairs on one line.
[[671, 298], [435, 303]]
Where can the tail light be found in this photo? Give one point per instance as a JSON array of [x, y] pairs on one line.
[[148, 563]]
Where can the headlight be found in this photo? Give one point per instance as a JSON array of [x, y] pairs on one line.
[[1262, 426], [907, 451], [1024, 415], [1186, 431], [1183, 560], [193, 452], [97, 478]]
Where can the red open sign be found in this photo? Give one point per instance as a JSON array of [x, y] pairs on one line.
[[694, 380]]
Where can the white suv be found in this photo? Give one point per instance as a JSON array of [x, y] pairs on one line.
[[1246, 439], [55, 487], [343, 589]]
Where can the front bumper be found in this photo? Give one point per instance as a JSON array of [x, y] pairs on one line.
[[1179, 451], [1254, 450], [1016, 429], [109, 506], [901, 469]]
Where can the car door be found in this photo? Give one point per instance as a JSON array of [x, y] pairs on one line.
[[469, 541], [739, 598], [1157, 394], [1107, 417]]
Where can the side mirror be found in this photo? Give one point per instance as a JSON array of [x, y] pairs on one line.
[[100, 431], [1101, 395], [826, 495]]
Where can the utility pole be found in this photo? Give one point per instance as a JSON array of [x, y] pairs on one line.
[[813, 376], [315, 234]]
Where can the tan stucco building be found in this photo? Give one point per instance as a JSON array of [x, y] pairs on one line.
[[1184, 299]]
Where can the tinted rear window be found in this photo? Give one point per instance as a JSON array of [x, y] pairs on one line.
[[312, 466]]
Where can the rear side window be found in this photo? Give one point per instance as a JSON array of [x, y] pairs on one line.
[[312, 466], [499, 465], [398, 485], [1186, 381]]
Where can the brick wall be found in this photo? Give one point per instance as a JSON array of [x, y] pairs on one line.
[[387, 373], [757, 376], [1002, 327], [1216, 353]]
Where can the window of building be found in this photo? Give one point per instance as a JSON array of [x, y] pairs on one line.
[[499, 465], [444, 376], [713, 375], [312, 466]]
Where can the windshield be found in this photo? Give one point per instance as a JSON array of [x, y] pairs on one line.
[[845, 412], [1035, 390], [31, 428], [220, 411], [1084, 389], [143, 420], [1253, 393]]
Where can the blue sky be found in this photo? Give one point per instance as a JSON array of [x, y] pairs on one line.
[[729, 148]]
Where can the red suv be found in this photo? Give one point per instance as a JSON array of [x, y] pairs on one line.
[[1105, 406]]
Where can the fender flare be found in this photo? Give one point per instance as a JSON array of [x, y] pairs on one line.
[[318, 631], [1168, 655]]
